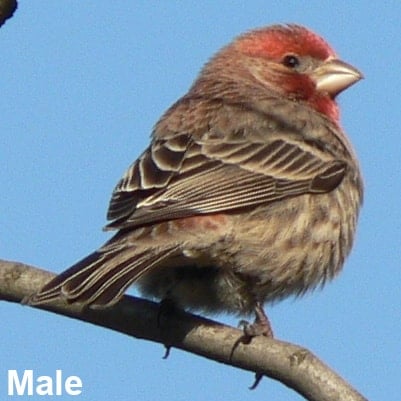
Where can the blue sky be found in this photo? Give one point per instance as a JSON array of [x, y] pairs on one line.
[[82, 84]]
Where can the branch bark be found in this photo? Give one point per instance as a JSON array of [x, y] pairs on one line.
[[292, 365]]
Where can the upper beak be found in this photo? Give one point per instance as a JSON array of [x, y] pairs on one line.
[[333, 76]]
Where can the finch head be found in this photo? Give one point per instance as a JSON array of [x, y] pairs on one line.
[[289, 60]]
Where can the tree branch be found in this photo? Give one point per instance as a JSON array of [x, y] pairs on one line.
[[294, 366]]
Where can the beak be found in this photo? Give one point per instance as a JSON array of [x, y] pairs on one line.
[[333, 76]]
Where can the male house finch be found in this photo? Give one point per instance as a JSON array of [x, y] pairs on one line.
[[249, 191]]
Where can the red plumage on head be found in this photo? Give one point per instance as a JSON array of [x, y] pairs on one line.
[[277, 40], [273, 44]]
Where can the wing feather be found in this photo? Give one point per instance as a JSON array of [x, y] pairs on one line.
[[181, 177]]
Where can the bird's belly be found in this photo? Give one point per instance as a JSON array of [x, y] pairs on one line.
[[272, 253], [297, 245]]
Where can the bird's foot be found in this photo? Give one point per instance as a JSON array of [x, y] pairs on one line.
[[260, 327], [167, 307]]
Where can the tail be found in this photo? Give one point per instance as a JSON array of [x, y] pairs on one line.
[[100, 279]]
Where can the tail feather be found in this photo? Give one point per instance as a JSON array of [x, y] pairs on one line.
[[100, 279], [52, 290]]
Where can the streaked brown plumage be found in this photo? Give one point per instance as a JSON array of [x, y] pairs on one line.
[[249, 191]]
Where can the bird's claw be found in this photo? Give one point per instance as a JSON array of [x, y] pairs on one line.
[[258, 378], [260, 327]]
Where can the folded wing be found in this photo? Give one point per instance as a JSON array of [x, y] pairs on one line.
[[181, 177]]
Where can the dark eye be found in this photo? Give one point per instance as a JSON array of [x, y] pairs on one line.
[[291, 61]]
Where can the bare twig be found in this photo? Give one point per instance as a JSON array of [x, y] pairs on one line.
[[294, 366]]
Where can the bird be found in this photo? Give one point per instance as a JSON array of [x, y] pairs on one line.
[[248, 193]]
